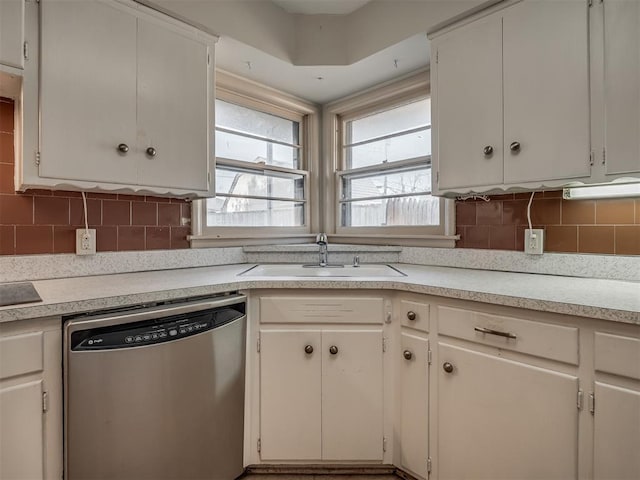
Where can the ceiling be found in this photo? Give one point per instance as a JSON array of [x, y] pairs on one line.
[[322, 84], [315, 7]]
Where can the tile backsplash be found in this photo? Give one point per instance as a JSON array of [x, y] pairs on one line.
[[576, 226], [44, 221]]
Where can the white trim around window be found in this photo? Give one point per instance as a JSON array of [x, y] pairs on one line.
[[245, 93], [411, 88]]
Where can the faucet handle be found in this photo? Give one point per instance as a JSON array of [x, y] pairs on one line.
[[321, 239]]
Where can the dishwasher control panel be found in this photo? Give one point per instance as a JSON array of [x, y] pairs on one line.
[[153, 331]]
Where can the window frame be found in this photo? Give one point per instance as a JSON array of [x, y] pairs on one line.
[[246, 93], [413, 87]]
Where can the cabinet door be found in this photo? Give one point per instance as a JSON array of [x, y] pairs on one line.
[[21, 441], [546, 90], [414, 411], [290, 395], [12, 33], [622, 85], [500, 419], [468, 104], [616, 433], [173, 108], [88, 91], [352, 396]]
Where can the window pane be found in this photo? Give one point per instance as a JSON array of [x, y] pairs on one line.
[[390, 183], [264, 184], [248, 212], [398, 119], [392, 149], [404, 211], [237, 147], [251, 121]]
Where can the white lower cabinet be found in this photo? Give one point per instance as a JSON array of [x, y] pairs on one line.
[[320, 372], [504, 419], [30, 401], [321, 394], [616, 407], [414, 405], [290, 395]]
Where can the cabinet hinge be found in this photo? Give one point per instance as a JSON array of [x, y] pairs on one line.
[[591, 3], [208, 59], [384, 344], [438, 177], [591, 159], [45, 402], [429, 357], [208, 179], [25, 50], [429, 465], [604, 156], [37, 159], [258, 345], [437, 56], [592, 403], [580, 400], [259, 445], [384, 444]]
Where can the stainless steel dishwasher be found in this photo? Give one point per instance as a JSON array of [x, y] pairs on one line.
[[156, 392]]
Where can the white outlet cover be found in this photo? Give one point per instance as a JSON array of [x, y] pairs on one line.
[[534, 241], [85, 241]]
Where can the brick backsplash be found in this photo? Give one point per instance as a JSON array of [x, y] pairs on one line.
[[577, 226], [44, 221]]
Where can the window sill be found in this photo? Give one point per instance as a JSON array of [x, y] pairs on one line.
[[206, 241], [438, 241]]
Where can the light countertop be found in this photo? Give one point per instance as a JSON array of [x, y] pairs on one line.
[[612, 300]]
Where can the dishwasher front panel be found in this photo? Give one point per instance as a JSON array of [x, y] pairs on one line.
[[171, 410]]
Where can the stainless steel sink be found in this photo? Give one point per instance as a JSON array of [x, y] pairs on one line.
[[292, 270]]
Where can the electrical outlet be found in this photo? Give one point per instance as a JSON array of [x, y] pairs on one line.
[[534, 241], [85, 241]]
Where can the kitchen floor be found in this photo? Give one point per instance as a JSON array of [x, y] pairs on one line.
[[260, 476]]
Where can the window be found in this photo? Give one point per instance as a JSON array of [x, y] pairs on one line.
[[262, 177], [382, 144]]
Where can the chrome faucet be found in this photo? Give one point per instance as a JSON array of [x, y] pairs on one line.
[[321, 240]]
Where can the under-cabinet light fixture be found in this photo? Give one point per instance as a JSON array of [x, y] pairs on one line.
[[617, 190]]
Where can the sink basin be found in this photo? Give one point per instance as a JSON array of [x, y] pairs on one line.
[[291, 270]]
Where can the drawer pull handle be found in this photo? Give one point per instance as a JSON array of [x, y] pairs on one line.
[[411, 315], [495, 332], [447, 367], [308, 349], [407, 354], [333, 350]]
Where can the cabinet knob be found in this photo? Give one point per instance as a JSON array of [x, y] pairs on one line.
[[151, 152], [447, 367], [123, 148], [407, 355], [515, 147], [411, 315], [308, 349], [333, 349], [488, 151]]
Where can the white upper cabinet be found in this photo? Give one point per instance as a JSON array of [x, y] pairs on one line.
[[511, 99], [622, 87], [12, 33], [126, 100], [467, 102]]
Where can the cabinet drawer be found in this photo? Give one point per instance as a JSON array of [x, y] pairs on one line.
[[554, 342], [618, 355], [20, 354], [414, 315], [321, 310]]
